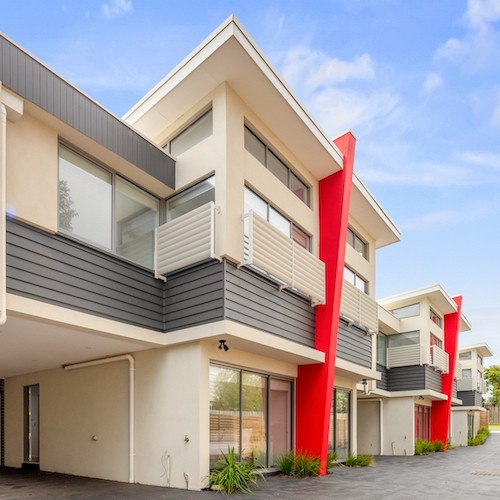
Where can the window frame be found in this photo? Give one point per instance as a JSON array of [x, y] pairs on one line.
[[395, 312], [352, 234], [187, 126], [357, 277], [435, 317], [270, 152], [112, 250]]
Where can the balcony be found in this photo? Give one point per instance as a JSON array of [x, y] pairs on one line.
[[358, 307], [439, 359], [404, 355], [185, 241], [467, 384], [269, 250]]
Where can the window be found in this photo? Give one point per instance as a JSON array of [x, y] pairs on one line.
[[464, 356], [192, 135], [355, 279], [105, 209], [479, 381], [382, 349], [250, 412], [280, 222], [191, 198], [270, 160], [406, 311], [401, 339], [422, 422], [466, 373], [435, 318], [340, 423], [436, 341], [479, 360], [357, 243]]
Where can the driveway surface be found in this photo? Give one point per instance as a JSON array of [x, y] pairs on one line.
[[466, 473]]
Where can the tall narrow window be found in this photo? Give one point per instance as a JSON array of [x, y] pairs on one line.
[[357, 243], [382, 349], [340, 423]]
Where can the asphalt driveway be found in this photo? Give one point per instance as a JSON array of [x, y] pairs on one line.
[[471, 473]]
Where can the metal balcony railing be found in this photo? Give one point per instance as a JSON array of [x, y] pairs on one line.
[[439, 359], [358, 307], [186, 240], [269, 250]]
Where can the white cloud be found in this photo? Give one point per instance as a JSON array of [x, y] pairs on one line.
[[116, 8], [489, 160], [432, 82], [313, 69], [481, 12]]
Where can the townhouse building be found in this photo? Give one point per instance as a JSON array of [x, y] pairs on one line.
[[197, 276], [470, 387], [417, 346]]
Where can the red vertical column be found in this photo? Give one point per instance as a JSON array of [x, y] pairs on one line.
[[315, 382], [440, 416]]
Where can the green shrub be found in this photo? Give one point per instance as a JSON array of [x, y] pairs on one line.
[[481, 437], [331, 459], [286, 463], [231, 475], [422, 447], [438, 446], [358, 460], [300, 465]]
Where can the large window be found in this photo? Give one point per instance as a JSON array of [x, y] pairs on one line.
[[340, 423], [406, 311], [466, 373], [192, 135], [464, 356], [355, 279], [280, 222], [250, 412], [105, 209], [402, 339], [357, 243], [191, 198], [279, 168], [382, 349]]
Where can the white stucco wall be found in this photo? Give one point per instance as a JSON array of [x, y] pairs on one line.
[[398, 426], [459, 428]]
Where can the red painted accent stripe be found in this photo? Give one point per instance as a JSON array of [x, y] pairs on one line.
[[315, 382]]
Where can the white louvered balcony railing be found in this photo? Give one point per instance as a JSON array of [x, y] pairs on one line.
[[186, 240], [467, 384], [439, 359], [458, 370], [357, 306], [404, 355], [269, 250]]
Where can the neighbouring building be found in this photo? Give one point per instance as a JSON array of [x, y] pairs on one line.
[[470, 387], [417, 345]]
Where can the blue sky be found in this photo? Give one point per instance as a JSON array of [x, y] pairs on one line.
[[418, 83]]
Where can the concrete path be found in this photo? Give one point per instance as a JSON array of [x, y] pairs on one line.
[[466, 473]]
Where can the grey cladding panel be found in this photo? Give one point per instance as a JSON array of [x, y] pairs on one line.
[[253, 300], [354, 345], [64, 272], [433, 379], [383, 382], [35, 82], [194, 296], [470, 398], [407, 378]]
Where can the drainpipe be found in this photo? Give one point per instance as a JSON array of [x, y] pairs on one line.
[[3, 222], [131, 399]]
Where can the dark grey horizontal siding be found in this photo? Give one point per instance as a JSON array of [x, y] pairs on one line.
[[195, 296], [470, 398], [61, 271], [354, 345], [383, 382], [254, 300], [408, 378], [33, 81]]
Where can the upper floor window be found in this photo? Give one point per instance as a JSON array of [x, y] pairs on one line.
[[402, 339], [464, 356], [381, 349], [406, 311], [280, 222], [436, 341], [355, 279], [479, 381], [191, 198], [105, 209], [435, 318], [193, 134], [466, 373], [357, 243], [479, 360], [270, 160]]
